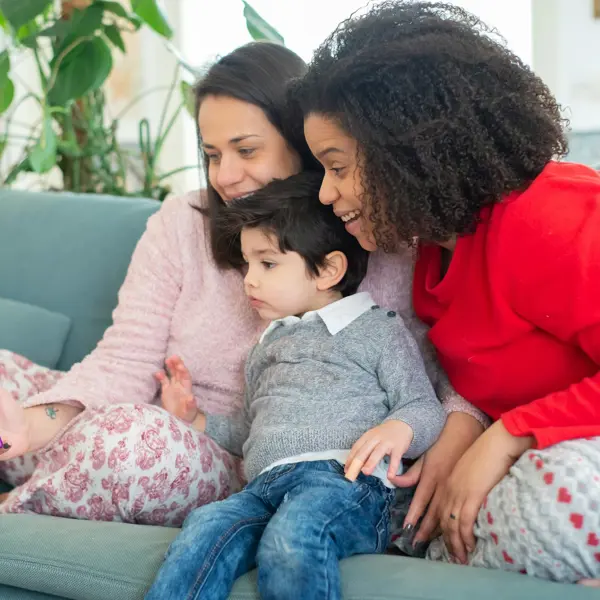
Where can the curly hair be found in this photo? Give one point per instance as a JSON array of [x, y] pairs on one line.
[[446, 119]]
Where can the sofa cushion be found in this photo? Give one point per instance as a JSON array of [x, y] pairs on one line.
[[69, 253], [34, 332], [83, 560]]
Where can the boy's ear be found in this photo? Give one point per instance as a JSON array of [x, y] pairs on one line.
[[333, 271]]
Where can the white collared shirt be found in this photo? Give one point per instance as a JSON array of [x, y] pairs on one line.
[[336, 316]]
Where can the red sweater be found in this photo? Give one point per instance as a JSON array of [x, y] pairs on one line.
[[516, 318]]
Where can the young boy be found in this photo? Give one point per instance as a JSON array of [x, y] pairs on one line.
[[335, 385]]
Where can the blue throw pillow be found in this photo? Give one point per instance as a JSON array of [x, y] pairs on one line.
[[36, 333]]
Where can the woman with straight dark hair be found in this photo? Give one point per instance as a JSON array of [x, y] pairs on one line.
[[121, 457]]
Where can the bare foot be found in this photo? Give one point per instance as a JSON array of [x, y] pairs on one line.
[[14, 435], [590, 582]]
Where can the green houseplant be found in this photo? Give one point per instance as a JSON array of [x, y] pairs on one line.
[[72, 42]]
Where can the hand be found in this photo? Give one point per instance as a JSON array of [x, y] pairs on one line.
[[476, 473], [391, 438], [431, 472], [176, 390]]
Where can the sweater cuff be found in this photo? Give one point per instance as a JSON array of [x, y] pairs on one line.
[[453, 402]]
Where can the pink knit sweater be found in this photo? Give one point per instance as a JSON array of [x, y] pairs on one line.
[[175, 301]]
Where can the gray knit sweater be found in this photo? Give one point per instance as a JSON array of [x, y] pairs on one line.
[[308, 390]]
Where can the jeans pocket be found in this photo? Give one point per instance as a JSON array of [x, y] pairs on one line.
[[279, 471], [337, 467]]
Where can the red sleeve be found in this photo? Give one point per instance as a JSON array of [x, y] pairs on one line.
[[552, 256]]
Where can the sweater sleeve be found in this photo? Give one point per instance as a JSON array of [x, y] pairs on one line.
[[554, 281], [411, 397], [451, 400], [230, 432], [121, 368]]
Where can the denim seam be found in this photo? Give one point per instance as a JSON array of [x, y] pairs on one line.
[[356, 505], [383, 526], [218, 548]]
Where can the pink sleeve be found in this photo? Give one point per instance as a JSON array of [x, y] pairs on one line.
[[452, 401], [122, 367]]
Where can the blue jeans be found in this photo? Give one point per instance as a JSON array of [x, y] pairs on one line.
[[294, 523]]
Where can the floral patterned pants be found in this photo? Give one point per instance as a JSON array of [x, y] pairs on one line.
[[133, 463]]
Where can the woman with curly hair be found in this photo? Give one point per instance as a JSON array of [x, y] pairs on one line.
[[433, 133]]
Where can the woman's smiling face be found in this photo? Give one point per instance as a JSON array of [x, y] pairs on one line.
[[342, 185]]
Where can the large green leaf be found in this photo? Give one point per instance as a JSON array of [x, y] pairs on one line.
[[7, 94], [43, 156], [83, 23], [114, 35], [26, 32], [189, 98], [4, 65], [258, 28], [85, 68], [7, 88], [151, 14], [19, 12], [90, 21]]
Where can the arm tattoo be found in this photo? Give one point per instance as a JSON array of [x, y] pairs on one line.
[[51, 412]]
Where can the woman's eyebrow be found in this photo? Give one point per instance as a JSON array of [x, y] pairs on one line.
[[235, 140], [327, 151]]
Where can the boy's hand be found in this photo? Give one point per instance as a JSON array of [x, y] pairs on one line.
[[176, 390], [391, 438]]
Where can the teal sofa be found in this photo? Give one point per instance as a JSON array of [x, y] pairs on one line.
[[67, 256]]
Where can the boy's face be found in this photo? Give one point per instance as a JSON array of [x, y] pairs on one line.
[[277, 284]]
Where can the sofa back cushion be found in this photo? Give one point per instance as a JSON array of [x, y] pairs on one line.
[[69, 253], [34, 332]]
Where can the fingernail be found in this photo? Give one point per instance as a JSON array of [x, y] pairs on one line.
[[469, 549], [408, 528]]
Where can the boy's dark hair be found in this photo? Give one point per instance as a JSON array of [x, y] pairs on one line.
[[290, 210], [446, 118]]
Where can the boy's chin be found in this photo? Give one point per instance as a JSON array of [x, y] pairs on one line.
[[268, 314]]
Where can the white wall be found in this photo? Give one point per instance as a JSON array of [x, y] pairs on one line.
[[512, 19], [567, 56]]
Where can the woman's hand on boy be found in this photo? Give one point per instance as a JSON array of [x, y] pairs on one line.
[[391, 438], [431, 473], [176, 390]]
